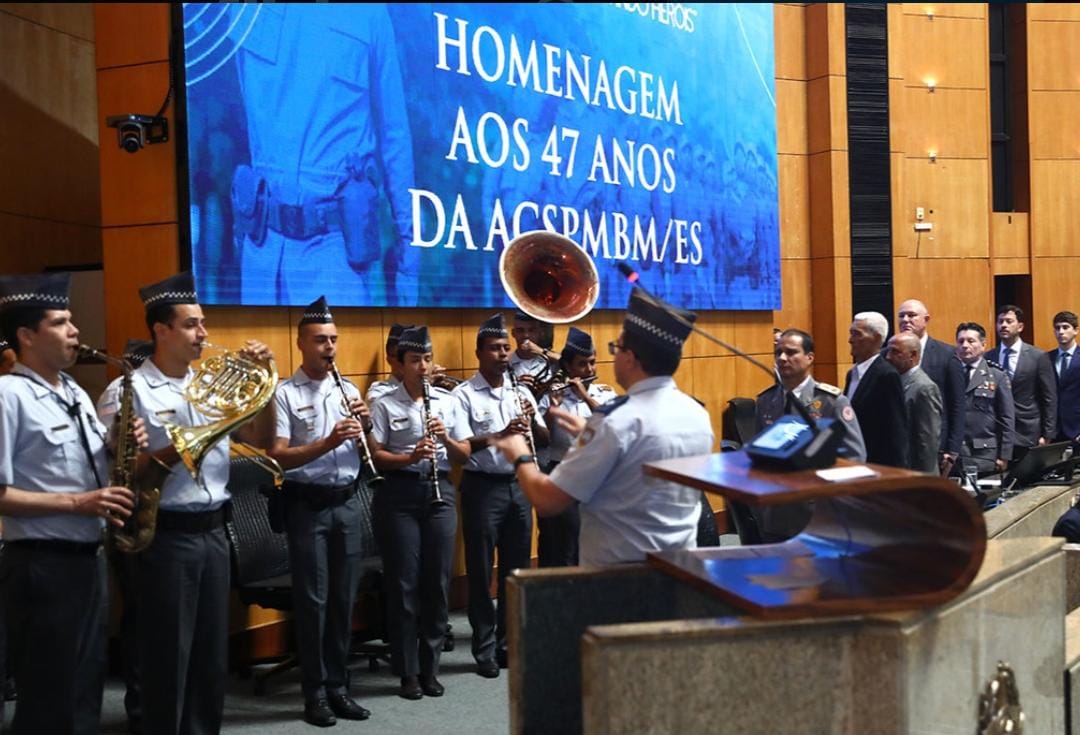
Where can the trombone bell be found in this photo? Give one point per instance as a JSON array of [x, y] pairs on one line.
[[549, 277]]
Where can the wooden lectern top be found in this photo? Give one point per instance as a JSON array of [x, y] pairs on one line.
[[899, 540]]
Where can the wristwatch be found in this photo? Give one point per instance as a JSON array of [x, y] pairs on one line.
[[524, 459]]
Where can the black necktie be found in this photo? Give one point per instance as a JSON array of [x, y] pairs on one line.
[[967, 379], [1063, 363]]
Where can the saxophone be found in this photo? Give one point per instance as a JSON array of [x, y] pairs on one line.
[[138, 530]]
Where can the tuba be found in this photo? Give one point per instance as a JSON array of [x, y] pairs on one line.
[[549, 277]]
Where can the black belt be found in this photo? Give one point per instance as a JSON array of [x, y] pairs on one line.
[[88, 548], [318, 496], [300, 222], [494, 476], [199, 522]]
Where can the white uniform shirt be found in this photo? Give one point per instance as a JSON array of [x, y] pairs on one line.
[[41, 451], [160, 401], [306, 412], [381, 388], [532, 365], [399, 424], [489, 410], [561, 440], [625, 513]]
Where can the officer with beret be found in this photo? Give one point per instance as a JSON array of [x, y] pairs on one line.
[[55, 501], [624, 513], [419, 430], [557, 542], [494, 512], [182, 578], [794, 362]]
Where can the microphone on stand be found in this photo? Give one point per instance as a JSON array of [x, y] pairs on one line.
[[792, 443]]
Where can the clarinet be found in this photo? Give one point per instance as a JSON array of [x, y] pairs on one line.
[[368, 473], [436, 493], [523, 409]]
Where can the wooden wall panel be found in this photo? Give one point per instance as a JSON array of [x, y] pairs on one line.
[[30, 245], [1053, 53], [1009, 235], [794, 212], [132, 33], [1053, 120], [134, 257], [791, 101], [953, 122], [1055, 225], [798, 310], [952, 51], [137, 188], [789, 23], [228, 327], [955, 194], [826, 102], [1053, 11], [946, 10], [74, 19], [830, 208], [825, 47], [1055, 288], [953, 290]]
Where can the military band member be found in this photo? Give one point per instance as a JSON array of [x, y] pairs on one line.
[[416, 533], [182, 578], [557, 544], [316, 444], [624, 513], [494, 512], [381, 388], [54, 500], [136, 352], [989, 412], [7, 357], [794, 361], [533, 357]]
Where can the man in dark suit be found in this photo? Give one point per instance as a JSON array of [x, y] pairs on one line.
[[940, 363], [1068, 376], [876, 392], [1034, 388], [989, 429]]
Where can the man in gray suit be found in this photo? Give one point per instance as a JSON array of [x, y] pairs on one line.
[[1034, 385], [923, 399]]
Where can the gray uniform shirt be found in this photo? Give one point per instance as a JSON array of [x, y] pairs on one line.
[[306, 412], [561, 440], [399, 424], [624, 513], [41, 451], [381, 388], [489, 410]]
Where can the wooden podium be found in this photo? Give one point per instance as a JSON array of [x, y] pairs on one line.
[[899, 540]]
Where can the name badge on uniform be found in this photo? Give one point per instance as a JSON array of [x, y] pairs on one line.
[[61, 427], [396, 424], [167, 413], [305, 408]]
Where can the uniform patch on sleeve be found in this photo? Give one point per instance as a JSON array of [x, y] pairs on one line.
[[848, 414]]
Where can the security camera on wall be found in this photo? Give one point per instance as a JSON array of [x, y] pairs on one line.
[[135, 131]]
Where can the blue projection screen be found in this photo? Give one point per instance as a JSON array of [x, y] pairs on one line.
[[383, 154]]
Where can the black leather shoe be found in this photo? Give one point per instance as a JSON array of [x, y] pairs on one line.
[[410, 688], [501, 658], [317, 712], [347, 708], [431, 686], [487, 669]]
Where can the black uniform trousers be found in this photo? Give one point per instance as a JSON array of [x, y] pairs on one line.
[[416, 540], [122, 567], [495, 514], [557, 540], [182, 623], [56, 605], [324, 556]]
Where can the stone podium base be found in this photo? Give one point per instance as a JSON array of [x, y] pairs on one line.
[[915, 672]]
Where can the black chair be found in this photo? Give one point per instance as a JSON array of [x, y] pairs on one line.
[[260, 556], [371, 576]]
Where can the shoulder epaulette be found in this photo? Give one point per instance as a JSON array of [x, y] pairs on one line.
[[994, 365], [830, 389], [609, 406]]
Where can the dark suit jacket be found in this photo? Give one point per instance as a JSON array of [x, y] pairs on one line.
[[882, 412], [940, 363], [1034, 391], [1068, 397]]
